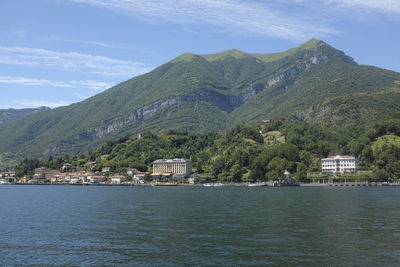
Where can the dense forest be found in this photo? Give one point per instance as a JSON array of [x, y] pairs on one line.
[[248, 153]]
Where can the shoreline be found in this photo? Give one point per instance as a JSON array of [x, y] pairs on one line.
[[268, 184]]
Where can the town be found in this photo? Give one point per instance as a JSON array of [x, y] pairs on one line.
[[164, 171], [172, 172]]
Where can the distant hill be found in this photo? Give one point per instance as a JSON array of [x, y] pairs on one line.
[[10, 115], [313, 82]]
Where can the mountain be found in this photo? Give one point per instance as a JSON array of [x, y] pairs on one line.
[[314, 82], [10, 115], [354, 109]]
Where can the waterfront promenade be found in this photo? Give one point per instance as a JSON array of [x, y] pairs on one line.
[[269, 184]]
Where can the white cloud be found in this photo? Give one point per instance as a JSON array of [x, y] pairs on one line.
[[86, 42], [29, 81], [232, 15], [102, 44], [92, 88], [96, 85], [71, 61], [386, 6], [18, 33]]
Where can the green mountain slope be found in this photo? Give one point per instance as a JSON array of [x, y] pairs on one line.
[[212, 93], [10, 115], [333, 81], [354, 109]]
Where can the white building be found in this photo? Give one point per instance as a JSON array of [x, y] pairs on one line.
[[74, 179], [97, 179], [339, 164], [117, 179], [132, 171], [105, 169], [180, 168]]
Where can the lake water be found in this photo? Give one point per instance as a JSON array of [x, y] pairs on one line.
[[175, 226]]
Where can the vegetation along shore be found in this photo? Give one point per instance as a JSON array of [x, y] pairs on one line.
[[244, 154]]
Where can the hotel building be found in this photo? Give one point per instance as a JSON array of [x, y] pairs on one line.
[[339, 164], [179, 168]]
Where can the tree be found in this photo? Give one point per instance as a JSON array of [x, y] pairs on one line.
[[301, 173], [367, 155], [306, 157], [147, 177], [277, 167], [381, 175], [393, 167], [217, 166], [236, 173], [27, 167]]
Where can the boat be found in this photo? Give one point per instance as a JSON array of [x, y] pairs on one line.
[[257, 184], [166, 184], [213, 184]]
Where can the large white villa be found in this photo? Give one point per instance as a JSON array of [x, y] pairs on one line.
[[339, 164]]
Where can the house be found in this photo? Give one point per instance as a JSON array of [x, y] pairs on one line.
[[74, 179], [68, 167], [66, 178], [339, 164], [105, 169], [193, 178], [7, 174], [56, 179], [8, 177], [97, 179], [132, 171], [117, 179], [24, 180], [83, 177], [40, 174]]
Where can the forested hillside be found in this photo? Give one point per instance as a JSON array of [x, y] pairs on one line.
[[10, 115], [248, 153]]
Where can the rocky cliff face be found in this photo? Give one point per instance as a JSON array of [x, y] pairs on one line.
[[351, 110], [225, 102]]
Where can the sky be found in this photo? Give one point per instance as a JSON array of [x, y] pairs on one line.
[[58, 52]]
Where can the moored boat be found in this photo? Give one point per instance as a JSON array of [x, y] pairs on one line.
[[213, 184], [257, 184]]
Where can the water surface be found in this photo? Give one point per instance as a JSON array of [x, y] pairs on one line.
[[175, 226]]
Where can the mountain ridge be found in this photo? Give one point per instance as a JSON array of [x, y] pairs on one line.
[[11, 114], [194, 93]]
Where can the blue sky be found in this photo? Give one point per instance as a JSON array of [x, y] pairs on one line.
[[57, 52]]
